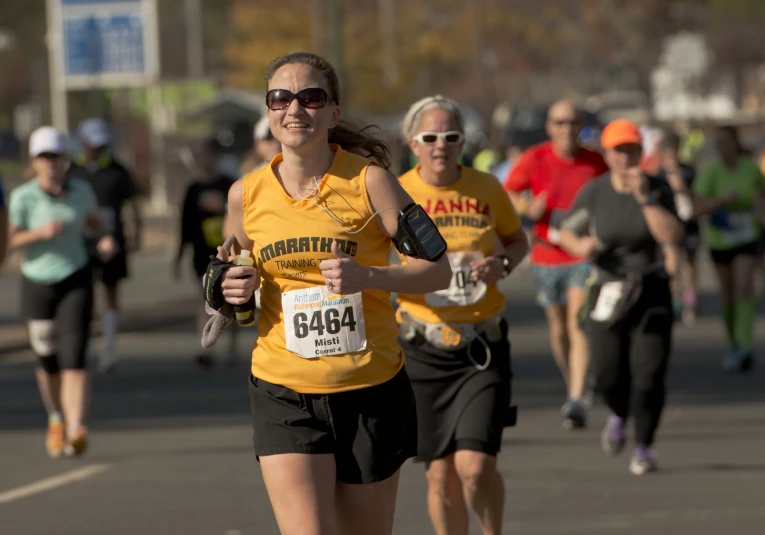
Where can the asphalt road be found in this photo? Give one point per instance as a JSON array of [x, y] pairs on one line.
[[171, 444]]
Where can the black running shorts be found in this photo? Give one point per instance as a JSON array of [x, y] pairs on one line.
[[69, 304], [370, 431], [113, 271]]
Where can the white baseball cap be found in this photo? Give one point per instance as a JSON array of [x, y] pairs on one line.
[[262, 129], [94, 132], [47, 139]]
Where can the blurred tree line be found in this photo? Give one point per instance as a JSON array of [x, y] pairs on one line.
[[457, 46], [395, 51]]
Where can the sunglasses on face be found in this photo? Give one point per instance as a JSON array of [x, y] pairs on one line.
[[310, 98], [566, 122], [49, 156], [430, 138]]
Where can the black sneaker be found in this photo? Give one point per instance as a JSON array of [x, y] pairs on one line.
[[204, 361], [746, 361], [574, 416]]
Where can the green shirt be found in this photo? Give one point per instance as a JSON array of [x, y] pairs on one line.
[[51, 261], [737, 223]]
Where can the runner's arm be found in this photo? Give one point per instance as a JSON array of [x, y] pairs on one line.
[[661, 216], [235, 217], [705, 198], [186, 222], [417, 276], [135, 205], [574, 228]]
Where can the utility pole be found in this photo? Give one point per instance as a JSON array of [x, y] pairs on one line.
[[195, 60], [58, 101]]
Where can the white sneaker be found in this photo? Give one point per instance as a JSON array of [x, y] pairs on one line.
[[731, 360], [643, 461]]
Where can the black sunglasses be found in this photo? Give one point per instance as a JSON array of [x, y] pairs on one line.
[[567, 122], [311, 98], [49, 156]]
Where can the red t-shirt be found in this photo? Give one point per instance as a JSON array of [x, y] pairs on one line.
[[540, 169]]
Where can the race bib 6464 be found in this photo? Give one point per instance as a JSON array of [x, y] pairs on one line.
[[319, 323]]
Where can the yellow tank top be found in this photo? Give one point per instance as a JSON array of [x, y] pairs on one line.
[[471, 214], [309, 339]]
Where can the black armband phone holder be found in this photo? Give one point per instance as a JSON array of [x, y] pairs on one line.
[[417, 236], [213, 278]]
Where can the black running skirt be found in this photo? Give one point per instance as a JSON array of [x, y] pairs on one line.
[[459, 407]]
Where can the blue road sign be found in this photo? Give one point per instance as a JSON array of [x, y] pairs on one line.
[[103, 44], [97, 2]]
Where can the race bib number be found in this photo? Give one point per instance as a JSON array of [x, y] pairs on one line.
[[464, 289], [319, 323], [739, 229], [108, 219], [610, 294]]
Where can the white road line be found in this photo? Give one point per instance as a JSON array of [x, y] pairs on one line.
[[51, 483]]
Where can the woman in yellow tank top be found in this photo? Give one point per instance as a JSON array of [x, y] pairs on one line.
[[333, 411], [455, 340]]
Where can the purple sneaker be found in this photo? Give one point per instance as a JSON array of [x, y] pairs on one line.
[[643, 460], [612, 438]]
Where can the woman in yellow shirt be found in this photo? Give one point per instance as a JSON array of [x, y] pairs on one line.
[[455, 340], [332, 408]]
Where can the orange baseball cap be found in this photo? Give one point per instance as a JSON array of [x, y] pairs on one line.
[[620, 132]]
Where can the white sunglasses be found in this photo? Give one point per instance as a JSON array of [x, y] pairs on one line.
[[430, 138]]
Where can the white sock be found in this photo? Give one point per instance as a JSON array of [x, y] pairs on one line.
[[111, 329]]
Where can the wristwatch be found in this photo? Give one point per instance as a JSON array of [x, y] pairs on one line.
[[652, 198], [506, 266]]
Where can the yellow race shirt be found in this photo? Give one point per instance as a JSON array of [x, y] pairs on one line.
[[309, 339], [472, 215]]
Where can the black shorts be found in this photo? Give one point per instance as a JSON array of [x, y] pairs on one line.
[[114, 270], [726, 256], [69, 303], [459, 407], [371, 431]]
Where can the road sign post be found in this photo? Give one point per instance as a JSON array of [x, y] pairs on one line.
[[96, 44]]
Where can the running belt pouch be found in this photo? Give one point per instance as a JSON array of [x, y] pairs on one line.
[[417, 236], [633, 289], [216, 269]]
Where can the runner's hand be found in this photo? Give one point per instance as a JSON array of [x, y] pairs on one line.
[[637, 183], [107, 248], [675, 179], [586, 246], [488, 270], [51, 229], [239, 282], [342, 274], [536, 207]]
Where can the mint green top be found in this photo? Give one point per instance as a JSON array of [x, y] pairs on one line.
[[737, 223], [51, 261]]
